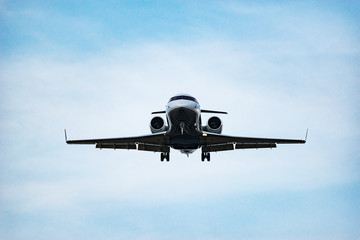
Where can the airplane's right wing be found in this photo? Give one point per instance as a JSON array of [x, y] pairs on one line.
[[212, 142]]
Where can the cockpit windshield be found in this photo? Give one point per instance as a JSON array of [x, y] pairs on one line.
[[183, 97]]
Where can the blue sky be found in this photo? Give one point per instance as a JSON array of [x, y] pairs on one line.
[[100, 68]]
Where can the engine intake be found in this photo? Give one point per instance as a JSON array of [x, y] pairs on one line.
[[214, 125], [157, 124]]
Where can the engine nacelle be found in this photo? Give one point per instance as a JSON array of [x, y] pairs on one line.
[[214, 125], [157, 124]]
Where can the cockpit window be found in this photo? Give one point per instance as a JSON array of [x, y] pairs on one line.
[[183, 97]]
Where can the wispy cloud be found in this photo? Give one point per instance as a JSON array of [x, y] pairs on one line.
[[272, 84], [106, 97]]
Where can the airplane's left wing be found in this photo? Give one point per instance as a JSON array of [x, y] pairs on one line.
[[157, 142], [212, 142]]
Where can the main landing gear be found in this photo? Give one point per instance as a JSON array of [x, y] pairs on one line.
[[165, 155], [205, 155]]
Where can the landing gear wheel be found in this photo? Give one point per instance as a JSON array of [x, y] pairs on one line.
[[205, 155], [164, 156]]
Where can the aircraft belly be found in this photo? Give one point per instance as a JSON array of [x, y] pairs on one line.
[[184, 142], [184, 133]]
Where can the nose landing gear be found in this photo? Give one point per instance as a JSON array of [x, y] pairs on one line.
[[182, 127]]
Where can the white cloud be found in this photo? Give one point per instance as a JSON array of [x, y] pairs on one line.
[[277, 70], [113, 95]]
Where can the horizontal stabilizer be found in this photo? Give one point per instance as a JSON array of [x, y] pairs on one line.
[[211, 111], [158, 112], [203, 111]]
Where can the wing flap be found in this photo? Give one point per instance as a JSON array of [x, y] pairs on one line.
[[132, 146], [230, 146], [254, 145], [116, 145], [153, 148], [213, 139], [218, 147]]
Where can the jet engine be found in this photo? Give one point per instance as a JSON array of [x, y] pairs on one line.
[[214, 125], [157, 124]]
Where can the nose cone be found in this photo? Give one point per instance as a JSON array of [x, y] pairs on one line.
[[184, 97]]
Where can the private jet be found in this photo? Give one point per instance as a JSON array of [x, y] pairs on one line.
[[183, 131]]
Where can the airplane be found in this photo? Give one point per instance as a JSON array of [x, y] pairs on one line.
[[184, 131]]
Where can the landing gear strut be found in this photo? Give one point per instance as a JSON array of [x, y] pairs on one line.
[[205, 155], [165, 155]]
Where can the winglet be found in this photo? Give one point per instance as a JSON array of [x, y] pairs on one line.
[[307, 130], [65, 136]]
